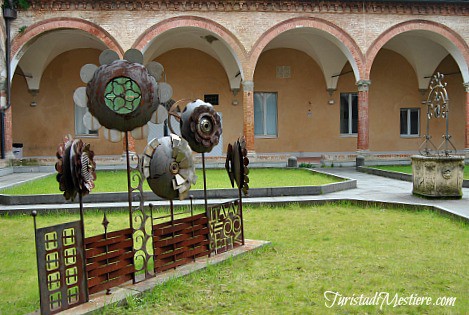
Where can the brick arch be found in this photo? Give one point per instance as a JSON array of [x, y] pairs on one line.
[[64, 23], [419, 25], [307, 22], [192, 21]]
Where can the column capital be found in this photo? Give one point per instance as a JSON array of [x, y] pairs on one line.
[[363, 85], [466, 86], [248, 86]]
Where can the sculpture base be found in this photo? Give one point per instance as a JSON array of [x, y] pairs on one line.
[[437, 177]]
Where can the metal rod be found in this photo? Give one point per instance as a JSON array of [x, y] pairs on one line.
[[129, 186], [34, 214], [192, 224], [445, 74], [106, 248], [241, 213], [205, 182], [172, 224], [82, 227], [129, 195], [2, 122], [338, 75]]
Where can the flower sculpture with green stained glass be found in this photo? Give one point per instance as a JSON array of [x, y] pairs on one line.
[[122, 95]]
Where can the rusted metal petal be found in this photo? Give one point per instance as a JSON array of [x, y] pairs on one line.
[[156, 70], [134, 55], [107, 57], [80, 98], [87, 72]]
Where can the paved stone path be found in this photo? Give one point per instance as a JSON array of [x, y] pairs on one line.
[[369, 188]]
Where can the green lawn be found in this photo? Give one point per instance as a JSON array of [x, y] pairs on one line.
[[342, 248], [113, 181], [407, 169]]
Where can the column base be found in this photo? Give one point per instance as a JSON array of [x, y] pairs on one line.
[[362, 155]]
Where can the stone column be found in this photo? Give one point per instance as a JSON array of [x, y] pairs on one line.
[[248, 114], [363, 141], [466, 142], [8, 127]]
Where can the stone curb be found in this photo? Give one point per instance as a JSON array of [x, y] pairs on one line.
[[197, 194], [395, 175]]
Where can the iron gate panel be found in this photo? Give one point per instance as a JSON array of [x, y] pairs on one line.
[[226, 226], [62, 279]]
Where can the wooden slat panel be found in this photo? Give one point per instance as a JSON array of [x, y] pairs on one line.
[[126, 245], [188, 230], [189, 253], [94, 281], [109, 235], [109, 268], [110, 284], [197, 219], [184, 252], [197, 241], [170, 229], [105, 255], [109, 258], [179, 242], [108, 241], [163, 266], [171, 241]]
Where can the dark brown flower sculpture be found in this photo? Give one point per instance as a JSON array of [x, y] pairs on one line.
[[200, 126], [122, 95], [75, 168], [237, 165]]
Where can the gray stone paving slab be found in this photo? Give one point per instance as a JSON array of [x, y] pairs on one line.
[[19, 178]]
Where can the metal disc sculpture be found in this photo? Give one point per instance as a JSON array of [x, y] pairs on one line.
[[75, 168], [121, 95], [200, 126], [236, 165], [169, 167]]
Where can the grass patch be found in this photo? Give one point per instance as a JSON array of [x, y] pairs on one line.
[[115, 181], [343, 248], [407, 169]]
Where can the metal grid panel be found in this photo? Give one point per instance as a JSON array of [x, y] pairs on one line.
[[226, 227], [60, 267]]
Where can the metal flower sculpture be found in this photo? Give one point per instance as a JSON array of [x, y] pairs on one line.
[[121, 95], [236, 165], [169, 167], [200, 126], [75, 167]]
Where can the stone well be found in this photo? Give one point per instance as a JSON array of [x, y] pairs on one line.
[[437, 176]]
